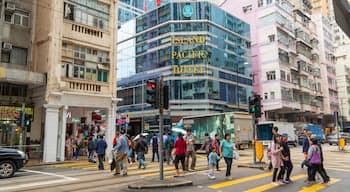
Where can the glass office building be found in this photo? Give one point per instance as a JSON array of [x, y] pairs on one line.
[[202, 52]]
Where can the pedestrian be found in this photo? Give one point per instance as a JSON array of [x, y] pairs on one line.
[[276, 158], [131, 153], [180, 154], [155, 144], [69, 147], [115, 139], [286, 161], [306, 142], [322, 169], [213, 158], [75, 150], [141, 148], [91, 150], [274, 134], [226, 151], [206, 144], [314, 157], [190, 153], [169, 146], [100, 148], [121, 150], [216, 144]]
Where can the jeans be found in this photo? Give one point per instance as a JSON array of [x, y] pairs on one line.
[[100, 161], [91, 156], [217, 164], [287, 166], [179, 158], [155, 151], [211, 170], [168, 156], [192, 155], [317, 168], [121, 157], [141, 159], [228, 162], [76, 153]]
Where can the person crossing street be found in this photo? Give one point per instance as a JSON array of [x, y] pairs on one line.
[[121, 152]]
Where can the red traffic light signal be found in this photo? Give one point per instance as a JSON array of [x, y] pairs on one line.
[[151, 84]]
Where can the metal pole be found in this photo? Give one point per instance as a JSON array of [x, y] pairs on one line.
[[337, 126], [160, 148], [254, 136], [22, 127]]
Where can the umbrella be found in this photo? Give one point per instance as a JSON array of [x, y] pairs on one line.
[[178, 130], [138, 136]]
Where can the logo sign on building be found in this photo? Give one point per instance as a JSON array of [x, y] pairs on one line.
[[187, 11]]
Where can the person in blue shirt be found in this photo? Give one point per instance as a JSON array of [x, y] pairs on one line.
[[154, 143], [100, 148], [213, 160], [226, 151], [169, 146]]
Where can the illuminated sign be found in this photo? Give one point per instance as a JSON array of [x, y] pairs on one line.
[[187, 11], [189, 54], [186, 69], [190, 40]]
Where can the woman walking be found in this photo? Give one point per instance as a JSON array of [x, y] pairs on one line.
[[226, 151], [276, 158], [315, 159], [180, 154]]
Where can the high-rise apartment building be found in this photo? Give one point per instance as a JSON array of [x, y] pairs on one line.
[[57, 59], [286, 58]]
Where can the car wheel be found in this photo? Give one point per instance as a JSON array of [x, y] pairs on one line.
[[7, 169]]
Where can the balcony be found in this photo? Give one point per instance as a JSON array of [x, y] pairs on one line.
[[22, 76], [86, 34], [85, 86]]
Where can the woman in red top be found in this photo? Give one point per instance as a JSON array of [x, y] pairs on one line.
[[180, 154]]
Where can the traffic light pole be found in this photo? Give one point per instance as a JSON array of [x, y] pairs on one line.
[[161, 109], [254, 138]]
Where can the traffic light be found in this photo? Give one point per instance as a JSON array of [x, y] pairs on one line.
[[258, 106], [151, 90], [255, 106], [28, 122], [166, 97]]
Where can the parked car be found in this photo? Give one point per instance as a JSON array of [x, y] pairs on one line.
[[333, 138], [11, 160]]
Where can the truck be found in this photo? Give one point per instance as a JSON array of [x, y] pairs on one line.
[[264, 131], [314, 129], [238, 124]]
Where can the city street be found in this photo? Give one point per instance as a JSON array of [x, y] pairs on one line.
[[83, 176]]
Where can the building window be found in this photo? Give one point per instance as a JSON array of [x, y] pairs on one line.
[[272, 38], [271, 75], [8, 17], [268, 2], [21, 19], [102, 76], [283, 75], [266, 95], [260, 3], [247, 8], [272, 95], [16, 56]]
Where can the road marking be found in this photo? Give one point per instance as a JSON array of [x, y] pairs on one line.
[[238, 181], [337, 169], [271, 186], [171, 171], [51, 174], [21, 186], [319, 186]]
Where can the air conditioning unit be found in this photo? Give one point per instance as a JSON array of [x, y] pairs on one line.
[[6, 46], [99, 59], [10, 6]]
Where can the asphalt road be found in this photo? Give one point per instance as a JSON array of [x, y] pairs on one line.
[[83, 176]]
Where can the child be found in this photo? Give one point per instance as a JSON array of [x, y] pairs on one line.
[[213, 158]]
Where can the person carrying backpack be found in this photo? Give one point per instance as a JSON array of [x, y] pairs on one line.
[[169, 146], [314, 157], [141, 149]]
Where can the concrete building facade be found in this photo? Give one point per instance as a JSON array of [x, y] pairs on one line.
[[286, 63], [73, 46]]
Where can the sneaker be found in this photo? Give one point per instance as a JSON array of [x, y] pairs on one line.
[[211, 177], [275, 183], [116, 174], [125, 174], [228, 178]]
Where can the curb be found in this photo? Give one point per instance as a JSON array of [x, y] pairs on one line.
[[160, 185]]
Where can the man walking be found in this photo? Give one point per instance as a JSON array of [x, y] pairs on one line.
[[121, 150], [287, 163], [91, 149], [155, 144], [190, 151], [101, 146], [141, 149], [169, 146]]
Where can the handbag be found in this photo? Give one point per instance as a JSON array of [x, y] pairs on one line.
[[235, 155]]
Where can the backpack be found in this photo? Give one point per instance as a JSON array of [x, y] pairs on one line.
[[315, 158], [170, 142], [155, 142]]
